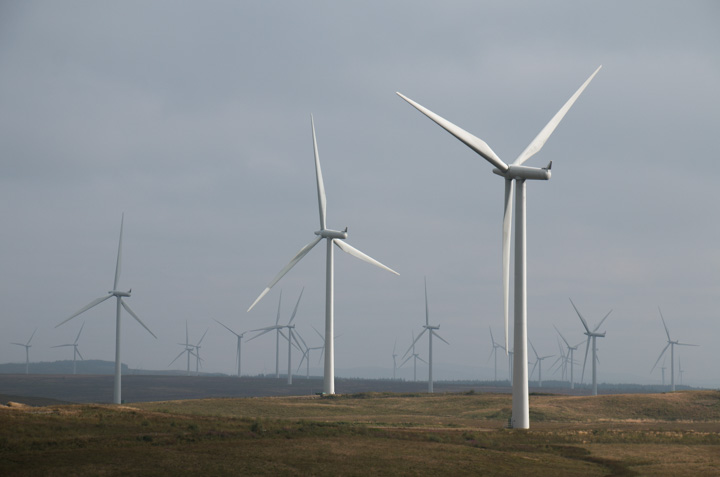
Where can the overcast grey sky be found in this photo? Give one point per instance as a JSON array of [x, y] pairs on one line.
[[193, 118]]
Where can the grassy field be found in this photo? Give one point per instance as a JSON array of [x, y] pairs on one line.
[[369, 434]]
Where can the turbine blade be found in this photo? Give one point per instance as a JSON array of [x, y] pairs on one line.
[[267, 330], [322, 201], [224, 326], [543, 136], [78, 352], [438, 336], [561, 336], [203, 337], [406, 360], [601, 321], [31, 336], [119, 255], [132, 313], [474, 143], [533, 368], [187, 335], [277, 317], [420, 359], [181, 353], [686, 344], [85, 308], [581, 317], [292, 317], [303, 251], [414, 341], [533, 348], [318, 333], [297, 333], [587, 348], [427, 312], [663, 322], [78, 335], [347, 248], [58, 346], [506, 238]]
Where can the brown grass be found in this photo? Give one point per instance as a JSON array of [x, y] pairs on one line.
[[368, 434]]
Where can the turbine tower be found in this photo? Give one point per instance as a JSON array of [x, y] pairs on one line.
[[27, 351], [117, 398], [515, 172], [238, 353], [333, 237], [670, 344], [76, 351], [591, 334], [432, 332], [538, 362]]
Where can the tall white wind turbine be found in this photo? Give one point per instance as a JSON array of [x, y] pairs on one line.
[[120, 303], [76, 351], [515, 172], [432, 332], [27, 351], [238, 353], [333, 237], [591, 335], [670, 344]]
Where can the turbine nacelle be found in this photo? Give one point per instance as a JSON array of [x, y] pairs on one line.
[[526, 172], [332, 234]]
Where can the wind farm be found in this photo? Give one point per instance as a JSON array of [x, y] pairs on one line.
[[191, 121]]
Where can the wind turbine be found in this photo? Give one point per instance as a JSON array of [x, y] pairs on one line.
[[197, 353], [306, 354], [120, 302], [333, 237], [268, 329], [519, 173], [494, 350], [432, 332], [188, 349], [538, 362], [291, 337], [680, 370], [670, 344], [27, 351], [238, 353], [76, 351], [413, 355], [571, 350], [591, 334]]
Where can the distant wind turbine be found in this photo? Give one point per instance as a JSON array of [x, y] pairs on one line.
[[432, 332], [277, 327], [188, 350], [76, 351], [198, 359], [27, 351], [538, 362], [591, 335], [513, 173], [333, 237], [495, 347], [120, 302], [670, 344], [416, 357], [571, 352], [238, 353]]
